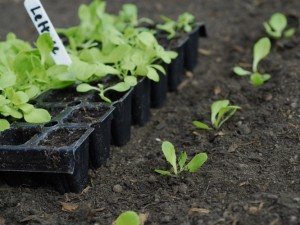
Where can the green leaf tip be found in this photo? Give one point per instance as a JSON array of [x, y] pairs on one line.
[[240, 71], [196, 162], [201, 125], [4, 124], [221, 111], [37, 116], [128, 218], [261, 50], [169, 153]]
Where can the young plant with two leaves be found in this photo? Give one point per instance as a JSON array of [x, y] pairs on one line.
[[221, 111], [277, 27], [180, 165], [261, 50]]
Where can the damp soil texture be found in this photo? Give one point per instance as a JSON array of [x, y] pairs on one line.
[[252, 175]]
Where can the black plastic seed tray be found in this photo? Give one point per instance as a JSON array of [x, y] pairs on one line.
[[60, 152], [191, 46], [39, 151], [141, 102], [120, 130], [77, 138], [80, 108], [159, 89], [121, 123], [176, 68]]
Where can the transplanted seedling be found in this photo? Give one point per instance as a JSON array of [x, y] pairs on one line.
[[128, 218], [261, 50], [180, 165], [221, 111], [276, 27]]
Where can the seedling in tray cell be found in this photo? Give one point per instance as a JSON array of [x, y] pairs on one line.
[[277, 27], [119, 87], [180, 165], [221, 111], [261, 50], [185, 23], [128, 62], [25, 73]]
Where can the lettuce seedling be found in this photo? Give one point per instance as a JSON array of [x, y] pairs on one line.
[[119, 87], [149, 51], [276, 27], [25, 73], [184, 23], [168, 26], [261, 50], [15, 104], [221, 111], [180, 166], [128, 218], [87, 68]]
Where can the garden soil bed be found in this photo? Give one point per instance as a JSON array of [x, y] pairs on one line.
[[252, 175]]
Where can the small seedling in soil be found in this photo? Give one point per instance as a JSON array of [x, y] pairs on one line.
[[128, 218], [221, 111], [276, 27], [180, 166], [261, 50]]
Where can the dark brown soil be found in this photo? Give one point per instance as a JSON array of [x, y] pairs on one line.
[[87, 115], [54, 138], [18, 136], [68, 95], [54, 111], [252, 175]]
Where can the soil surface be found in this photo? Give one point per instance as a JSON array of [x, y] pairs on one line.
[[87, 115], [54, 137], [252, 175]]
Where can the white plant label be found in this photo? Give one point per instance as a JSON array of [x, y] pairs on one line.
[[43, 24]]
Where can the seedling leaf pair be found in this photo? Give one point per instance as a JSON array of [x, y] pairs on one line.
[[180, 166], [119, 87], [221, 111], [261, 50], [276, 27]]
